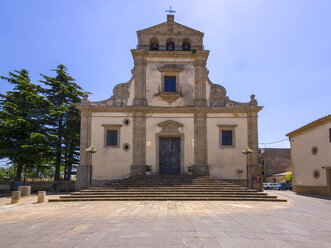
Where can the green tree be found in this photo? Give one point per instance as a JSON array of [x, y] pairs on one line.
[[6, 171], [22, 123], [64, 94], [289, 177]]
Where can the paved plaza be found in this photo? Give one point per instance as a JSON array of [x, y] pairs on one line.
[[301, 222]]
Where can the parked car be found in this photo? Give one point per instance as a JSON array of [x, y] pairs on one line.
[[283, 186], [272, 185], [266, 185]]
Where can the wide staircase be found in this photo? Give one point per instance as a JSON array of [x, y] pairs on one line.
[[168, 187]]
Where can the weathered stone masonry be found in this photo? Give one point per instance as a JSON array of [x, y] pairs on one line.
[[193, 112]]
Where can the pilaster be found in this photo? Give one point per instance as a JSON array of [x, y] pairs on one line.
[[200, 80], [140, 79], [84, 170], [254, 169], [200, 166], [139, 144]]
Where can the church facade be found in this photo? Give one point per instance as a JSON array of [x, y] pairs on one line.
[[169, 116]]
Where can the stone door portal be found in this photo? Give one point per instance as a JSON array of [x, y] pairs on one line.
[[169, 155]]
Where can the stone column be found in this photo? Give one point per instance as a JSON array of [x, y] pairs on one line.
[[254, 169], [139, 144], [84, 170], [140, 81]]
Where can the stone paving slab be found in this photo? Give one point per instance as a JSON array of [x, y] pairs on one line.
[[301, 222]]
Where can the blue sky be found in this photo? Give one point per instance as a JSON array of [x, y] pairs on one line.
[[278, 49]]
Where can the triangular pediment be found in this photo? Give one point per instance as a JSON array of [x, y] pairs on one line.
[[170, 28], [170, 123]]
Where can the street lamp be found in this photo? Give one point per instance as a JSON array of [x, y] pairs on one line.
[[90, 151], [247, 151]]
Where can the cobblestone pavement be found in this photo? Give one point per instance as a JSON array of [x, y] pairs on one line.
[[301, 222]]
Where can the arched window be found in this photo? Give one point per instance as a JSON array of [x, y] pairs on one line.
[[154, 44], [170, 44], [186, 45]]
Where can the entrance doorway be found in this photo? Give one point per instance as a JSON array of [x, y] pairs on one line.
[[169, 155]]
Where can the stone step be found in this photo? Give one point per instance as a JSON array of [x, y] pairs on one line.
[[142, 189], [167, 195], [168, 188], [163, 180], [169, 181], [186, 198], [166, 192], [171, 185]]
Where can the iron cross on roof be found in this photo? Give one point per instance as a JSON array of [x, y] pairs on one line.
[[170, 11]]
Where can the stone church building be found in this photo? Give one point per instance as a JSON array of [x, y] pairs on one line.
[[170, 116]]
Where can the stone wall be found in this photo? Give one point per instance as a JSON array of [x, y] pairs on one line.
[[275, 160], [51, 186], [225, 162]]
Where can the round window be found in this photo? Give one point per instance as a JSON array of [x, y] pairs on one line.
[[126, 122], [314, 150], [126, 147], [316, 174]]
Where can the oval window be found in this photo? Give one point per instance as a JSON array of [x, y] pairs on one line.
[[316, 174], [126, 122], [126, 147], [314, 150]]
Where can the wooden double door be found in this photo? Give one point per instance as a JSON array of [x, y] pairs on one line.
[[169, 155]]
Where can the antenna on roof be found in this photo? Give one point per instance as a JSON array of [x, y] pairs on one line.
[[170, 11]]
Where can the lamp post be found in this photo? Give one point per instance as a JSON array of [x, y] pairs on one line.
[[247, 151], [89, 151]]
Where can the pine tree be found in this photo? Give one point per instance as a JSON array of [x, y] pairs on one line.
[[23, 136], [64, 94]]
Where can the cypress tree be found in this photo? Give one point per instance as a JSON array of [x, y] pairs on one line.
[[64, 94], [23, 136]]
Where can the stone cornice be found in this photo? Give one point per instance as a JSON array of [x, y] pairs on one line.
[[170, 68], [112, 125], [226, 125], [235, 109], [197, 55]]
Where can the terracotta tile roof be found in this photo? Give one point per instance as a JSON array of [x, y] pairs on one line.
[[310, 125]]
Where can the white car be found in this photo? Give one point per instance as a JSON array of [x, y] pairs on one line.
[[265, 185], [273, 185]]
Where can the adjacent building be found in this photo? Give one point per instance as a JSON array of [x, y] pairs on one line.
[[311, 157], [276, 163], [170, 116]]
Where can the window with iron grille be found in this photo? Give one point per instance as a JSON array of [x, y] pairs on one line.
[[226, 137], [169, 84], [112, 138]]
